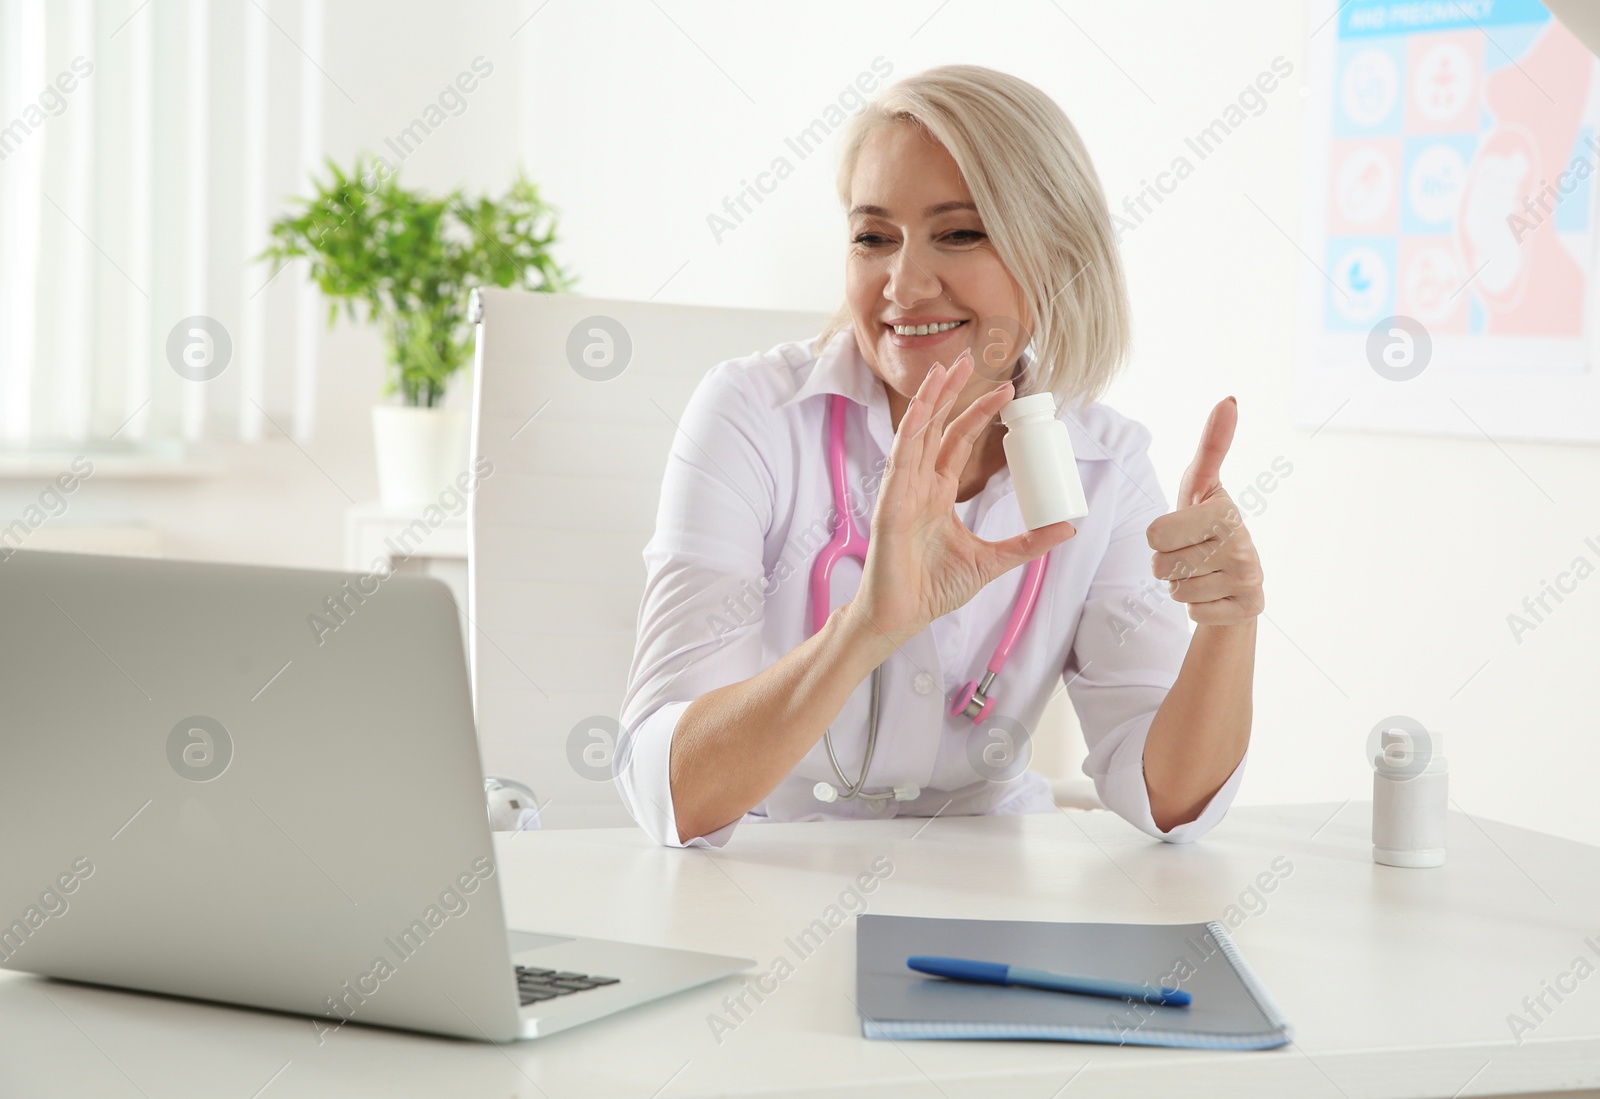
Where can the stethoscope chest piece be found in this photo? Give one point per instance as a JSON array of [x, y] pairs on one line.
[[974, 700], [827, 792]]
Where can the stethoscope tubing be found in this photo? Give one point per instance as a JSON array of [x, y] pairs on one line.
[[848, 541]]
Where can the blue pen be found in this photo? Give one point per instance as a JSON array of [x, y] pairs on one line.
[[994, 973]]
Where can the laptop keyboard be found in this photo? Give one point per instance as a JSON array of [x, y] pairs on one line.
[[534, 984]]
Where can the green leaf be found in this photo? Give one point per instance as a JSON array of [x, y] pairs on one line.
[[413, 259]]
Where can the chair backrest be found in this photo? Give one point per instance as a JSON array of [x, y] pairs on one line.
[[576, 404]]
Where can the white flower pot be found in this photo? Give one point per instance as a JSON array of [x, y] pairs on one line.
[[420, 451]]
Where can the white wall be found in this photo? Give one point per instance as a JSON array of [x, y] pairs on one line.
[[1391, 560]]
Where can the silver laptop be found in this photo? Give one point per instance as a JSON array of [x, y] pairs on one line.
[[262, 786]]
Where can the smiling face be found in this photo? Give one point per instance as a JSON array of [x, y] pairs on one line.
[[918, 254]]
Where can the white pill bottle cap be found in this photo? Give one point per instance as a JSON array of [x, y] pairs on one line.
[[1032, 405], [1404, 753]]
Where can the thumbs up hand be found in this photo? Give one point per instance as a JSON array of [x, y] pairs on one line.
[[1203, 550]]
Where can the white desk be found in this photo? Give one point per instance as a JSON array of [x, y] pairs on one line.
[[1398, 982]]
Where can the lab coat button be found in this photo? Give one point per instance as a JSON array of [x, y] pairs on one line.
[[922, 683]]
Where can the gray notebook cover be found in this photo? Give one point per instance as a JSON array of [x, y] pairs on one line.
[[1230, 1009]]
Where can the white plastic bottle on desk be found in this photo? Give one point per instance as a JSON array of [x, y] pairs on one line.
[[1410, 798], [1039, 455]]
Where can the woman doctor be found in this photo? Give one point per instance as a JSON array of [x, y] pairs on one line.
[[981, 264]]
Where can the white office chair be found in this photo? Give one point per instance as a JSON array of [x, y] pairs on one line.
[[576, 404]]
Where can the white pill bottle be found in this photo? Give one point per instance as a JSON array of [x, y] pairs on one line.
[[1043, 469], [1410, 795]]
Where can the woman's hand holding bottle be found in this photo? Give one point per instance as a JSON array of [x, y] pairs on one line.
[[922, 562]]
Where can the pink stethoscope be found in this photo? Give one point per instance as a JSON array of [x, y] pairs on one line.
[[973, 700]]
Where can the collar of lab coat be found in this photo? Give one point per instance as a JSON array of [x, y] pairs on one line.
[[841, 369]]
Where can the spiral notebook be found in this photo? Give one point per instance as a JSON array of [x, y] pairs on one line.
[[1230, 1008]]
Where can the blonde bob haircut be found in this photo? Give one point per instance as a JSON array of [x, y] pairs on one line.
[[1040, 202]]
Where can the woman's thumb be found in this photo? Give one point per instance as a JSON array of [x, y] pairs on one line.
[[1024, 547]]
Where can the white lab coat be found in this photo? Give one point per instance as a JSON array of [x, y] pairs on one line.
[[745, 508]]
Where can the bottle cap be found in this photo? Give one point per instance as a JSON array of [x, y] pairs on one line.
[[1404, 753], [1028, 406]]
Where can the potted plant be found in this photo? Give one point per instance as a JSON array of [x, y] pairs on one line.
[[413, 259]]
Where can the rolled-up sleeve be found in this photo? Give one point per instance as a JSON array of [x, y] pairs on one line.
[[700, 621], [1125, 656]]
